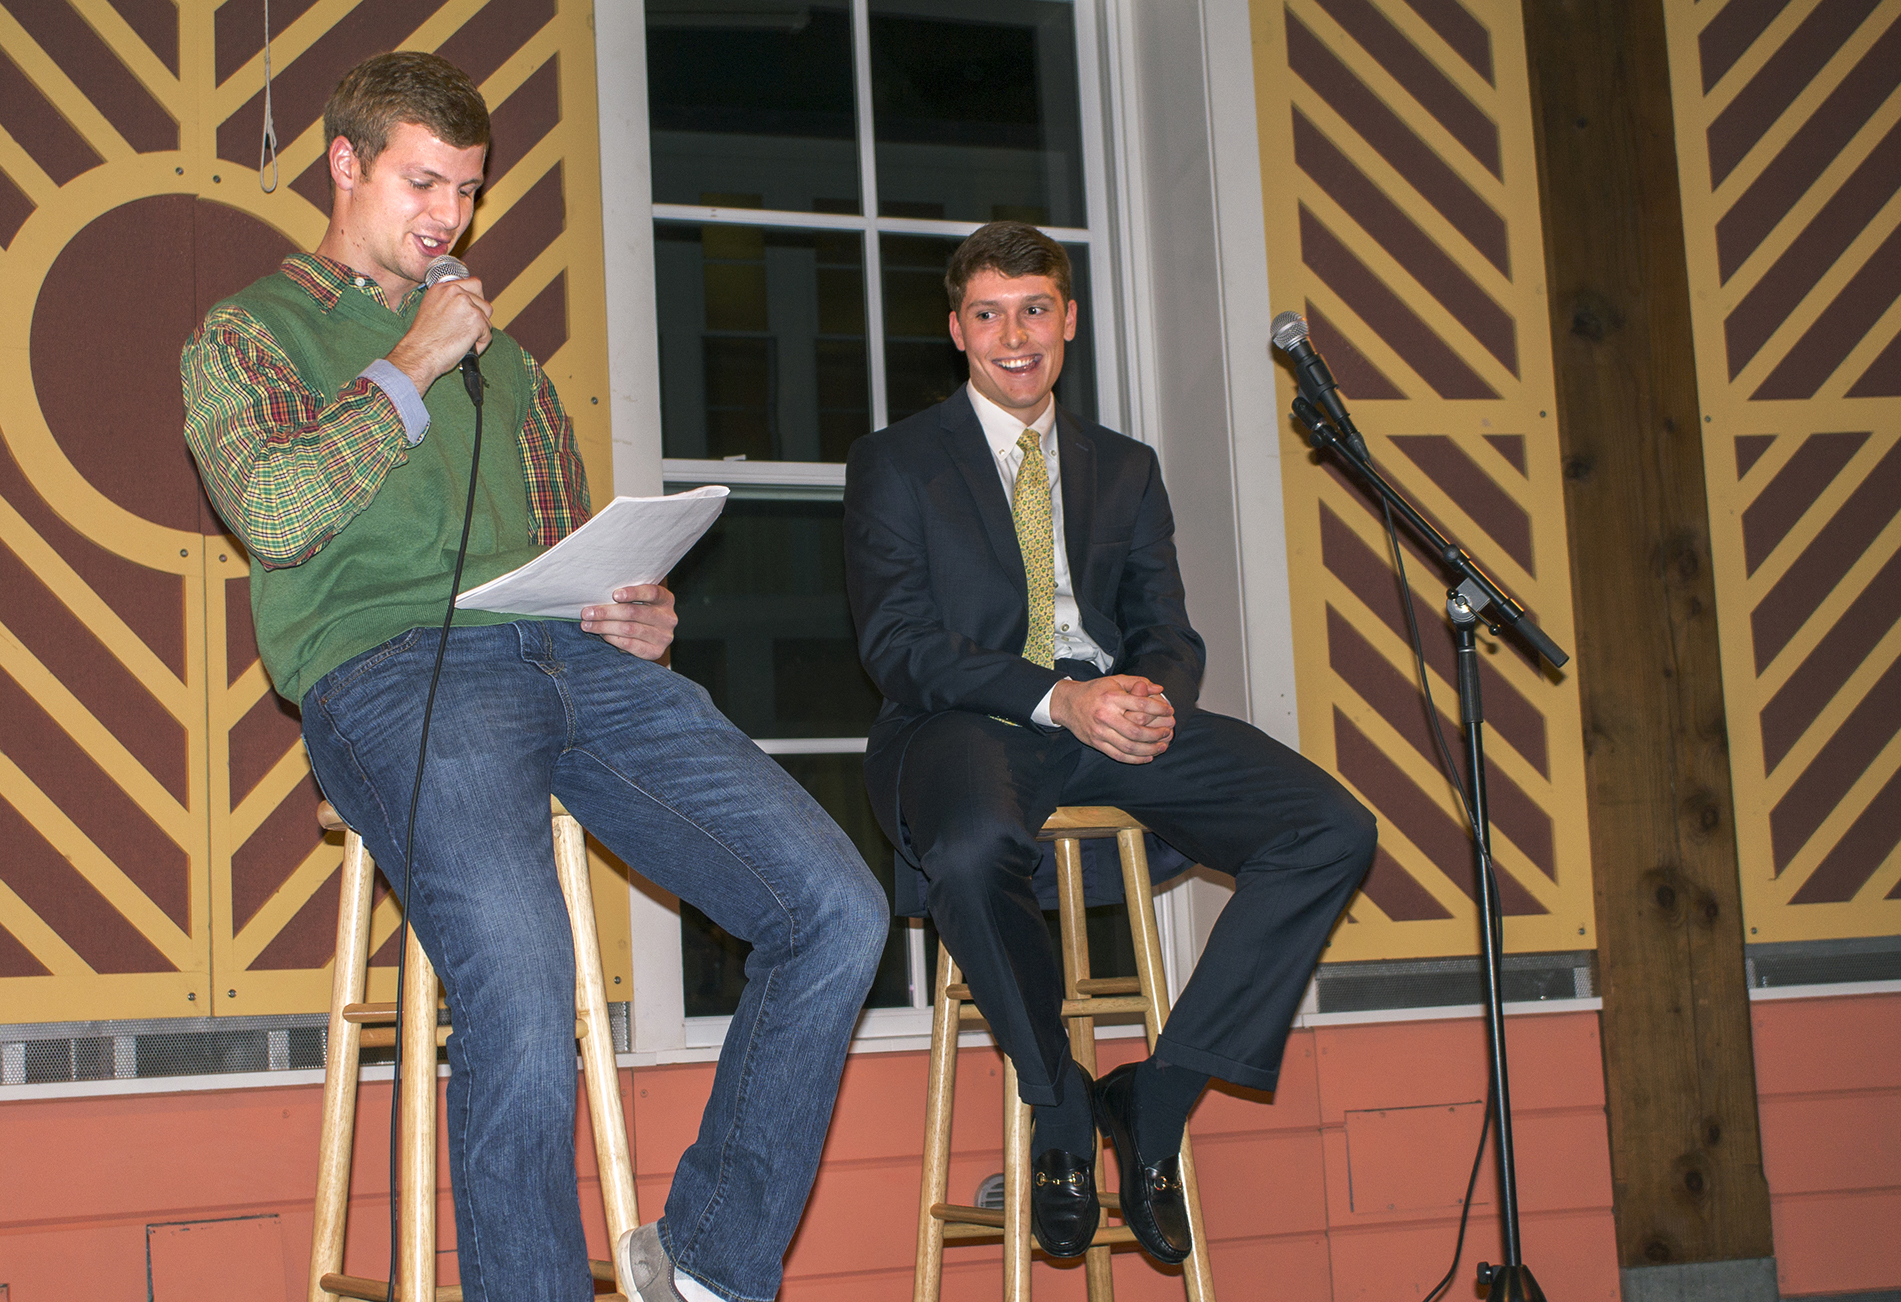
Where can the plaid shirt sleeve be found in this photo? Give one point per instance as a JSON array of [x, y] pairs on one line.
[[551, 464], [286, 468]]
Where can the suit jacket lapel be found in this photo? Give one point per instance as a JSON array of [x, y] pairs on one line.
[[1076, 459], [969, 451]]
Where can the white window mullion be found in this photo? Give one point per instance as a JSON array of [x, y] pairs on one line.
[[868, 202], [1120, 81], [633, 331], [1098, 184], [918, 965], [702, 215]]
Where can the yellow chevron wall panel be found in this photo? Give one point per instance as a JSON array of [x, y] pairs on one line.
[[161, 856], [1788, 122], [1402, 221]]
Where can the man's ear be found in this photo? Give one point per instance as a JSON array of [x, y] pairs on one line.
[[1069, 320], [957, 332], [344, 167]]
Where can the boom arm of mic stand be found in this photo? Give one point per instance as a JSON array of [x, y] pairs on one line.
[[1325, 438]]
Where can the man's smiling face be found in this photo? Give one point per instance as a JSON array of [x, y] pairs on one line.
[[409, 206], [1013, 329]]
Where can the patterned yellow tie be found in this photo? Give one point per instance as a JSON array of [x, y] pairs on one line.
[[1030, 508]]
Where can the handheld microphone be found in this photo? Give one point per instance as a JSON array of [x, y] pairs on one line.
[[1316, 381], [449, 267]]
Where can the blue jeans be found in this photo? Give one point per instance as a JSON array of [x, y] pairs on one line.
[[652, 770]]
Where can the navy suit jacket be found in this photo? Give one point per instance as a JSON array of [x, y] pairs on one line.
[[938, 592]]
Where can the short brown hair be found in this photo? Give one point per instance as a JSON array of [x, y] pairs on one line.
[[1009, 249], [404, 86]]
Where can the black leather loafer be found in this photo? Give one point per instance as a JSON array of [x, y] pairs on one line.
[[1153, 1204], [1063, 1205]]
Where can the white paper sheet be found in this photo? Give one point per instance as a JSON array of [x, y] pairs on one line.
[[630, 540]]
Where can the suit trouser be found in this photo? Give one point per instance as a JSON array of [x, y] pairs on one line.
[[972, 793]]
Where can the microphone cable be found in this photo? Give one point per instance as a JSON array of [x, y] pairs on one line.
[[472, 381]]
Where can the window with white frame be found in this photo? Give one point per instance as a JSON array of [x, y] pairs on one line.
[[813, 165]]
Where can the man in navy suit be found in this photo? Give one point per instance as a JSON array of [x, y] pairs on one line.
[[1012, 573]]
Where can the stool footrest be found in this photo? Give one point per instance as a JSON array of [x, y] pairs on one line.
[[375, 1290], [960, 1231], [1088, 986], [1092, 1006], [367, 1013], [960, 1214], [384, 1037]]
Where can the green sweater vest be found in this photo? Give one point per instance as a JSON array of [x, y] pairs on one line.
[[388, 570]]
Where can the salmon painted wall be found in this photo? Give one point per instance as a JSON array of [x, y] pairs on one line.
[[1344, 1187]]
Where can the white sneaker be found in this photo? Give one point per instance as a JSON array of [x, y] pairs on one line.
[[645, 1266]]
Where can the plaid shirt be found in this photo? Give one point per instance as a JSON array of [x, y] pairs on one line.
[[289, 468]]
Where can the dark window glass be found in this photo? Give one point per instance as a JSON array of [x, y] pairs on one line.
[[762, 342], [763, 621], [751, 104], [715, 962], [923, 366], [977, 111]]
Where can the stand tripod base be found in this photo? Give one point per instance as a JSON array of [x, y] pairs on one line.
[[1509, 1284]]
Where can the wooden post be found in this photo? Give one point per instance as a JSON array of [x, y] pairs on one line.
[[1686, 1153]]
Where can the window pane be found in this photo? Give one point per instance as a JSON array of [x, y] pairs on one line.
[[751, 105], [977, 110], [763, 621], [923, 366], [762, 342], [715, 962]]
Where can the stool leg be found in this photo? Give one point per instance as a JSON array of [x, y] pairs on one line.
[[1082, 1030], [416, 1260], [340, 1068], [1149, 968], [939, 1096], [598, 1069], [1016, 1189]]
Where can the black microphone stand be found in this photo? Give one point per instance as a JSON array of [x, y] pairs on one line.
[[1477, 592]]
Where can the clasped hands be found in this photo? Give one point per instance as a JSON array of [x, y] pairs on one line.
[[1124, 716]]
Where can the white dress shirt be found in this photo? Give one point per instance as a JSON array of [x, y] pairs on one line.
[[1001, 430]]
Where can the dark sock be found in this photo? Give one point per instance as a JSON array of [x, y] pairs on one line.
[[1164, 1095], [1068, 1125]]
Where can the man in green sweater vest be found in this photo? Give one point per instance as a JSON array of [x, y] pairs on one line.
[[314, 411]]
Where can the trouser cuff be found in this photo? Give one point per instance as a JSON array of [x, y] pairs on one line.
[[1177, 1054]]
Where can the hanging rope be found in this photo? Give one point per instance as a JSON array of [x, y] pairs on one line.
[[267, 148]]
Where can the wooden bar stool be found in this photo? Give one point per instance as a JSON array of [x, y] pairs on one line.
[[1085, 999], [349, 1018]]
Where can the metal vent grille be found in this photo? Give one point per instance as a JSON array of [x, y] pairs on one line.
[[1824, 962], [1451, 982], [53, 1052]]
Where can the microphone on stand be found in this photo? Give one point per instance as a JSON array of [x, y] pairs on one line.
[[1310, 370], [449, 267]]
